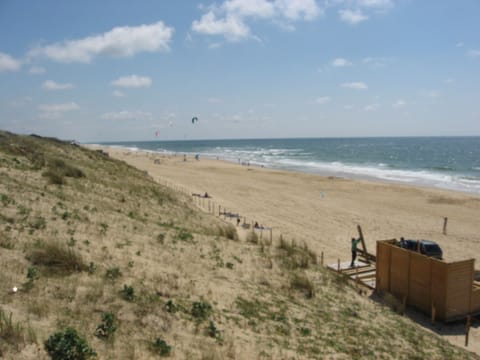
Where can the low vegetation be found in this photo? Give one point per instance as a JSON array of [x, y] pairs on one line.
[[108, 264]]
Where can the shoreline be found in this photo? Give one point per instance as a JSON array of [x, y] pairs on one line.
[[427, 179]]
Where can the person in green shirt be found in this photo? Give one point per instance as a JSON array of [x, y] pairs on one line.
[[354, 251]]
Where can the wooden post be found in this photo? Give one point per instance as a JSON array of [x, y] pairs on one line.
[[338, 265], [271, 236], [360, 233], [321, 259], [445, 220], [219, 210], [467, 329]]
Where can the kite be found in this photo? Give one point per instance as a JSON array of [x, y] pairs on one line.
[[194, 120]]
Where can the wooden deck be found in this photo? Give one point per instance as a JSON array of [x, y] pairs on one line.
[[362, 272]]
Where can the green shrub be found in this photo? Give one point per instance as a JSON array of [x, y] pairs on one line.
[[183, 235], [107, 328], [213, 332], [32, 273], [113, 273], [68, 345], [128, 293], [160, 347], [170, 307], [201, 310]]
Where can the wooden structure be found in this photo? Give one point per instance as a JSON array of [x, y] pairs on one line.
[[362, 273], [446, 291]]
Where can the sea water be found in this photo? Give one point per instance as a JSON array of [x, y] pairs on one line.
[[443, 162]]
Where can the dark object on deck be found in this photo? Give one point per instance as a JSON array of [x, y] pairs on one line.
[[425, 247]]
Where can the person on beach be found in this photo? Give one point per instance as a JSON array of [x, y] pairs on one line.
[[354, 251]]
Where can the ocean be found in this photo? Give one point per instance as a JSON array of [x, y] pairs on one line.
[[451, 163]]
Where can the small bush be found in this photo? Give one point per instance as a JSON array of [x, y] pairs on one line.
[[10, 332], [32, 273], [68, 345], [6, 242], [160, 347], [183, 235], [107, 328], [57, 257], [128, 293], [201, 310], [213, 332], [54, 177], [302, 282], [113, 273], [170, 307]]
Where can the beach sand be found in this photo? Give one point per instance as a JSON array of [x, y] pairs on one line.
[[324, 212]]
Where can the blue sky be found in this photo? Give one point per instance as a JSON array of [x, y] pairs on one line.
[[121, 70]]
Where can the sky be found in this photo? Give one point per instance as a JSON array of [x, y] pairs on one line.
[[118, 70]]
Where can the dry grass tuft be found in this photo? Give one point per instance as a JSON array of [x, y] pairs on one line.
[[57, 257]]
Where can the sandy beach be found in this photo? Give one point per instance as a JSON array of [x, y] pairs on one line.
[[324, 211]]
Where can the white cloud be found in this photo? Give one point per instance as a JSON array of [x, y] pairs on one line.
[[449, 81], [323, 100], [127, 115], [473, 53], [37, 70], [52, 85], [352, 17], [214, 100], [118, 93], [54, 111], [254, 8], [231, 27], [230, 18], [355, 85], [120, 41], [340, 62], [298, 9], [371, 107], [8, 63], [132, 81], [399, 104]]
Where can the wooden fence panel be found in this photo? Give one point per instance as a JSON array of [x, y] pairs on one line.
[[383, 267], [459, 288], [419, 289], [399, 272], [439, 287]]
